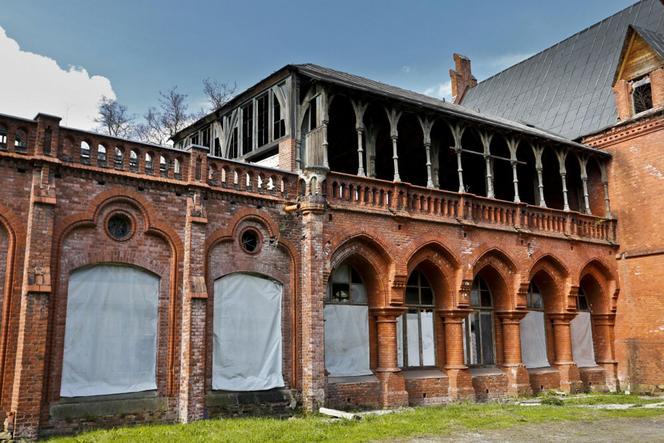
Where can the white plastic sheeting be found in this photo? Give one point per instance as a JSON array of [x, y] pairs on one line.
[[582, 340], [110, 332], [413, 340], [247, 333], [347, 340], [533, 340]]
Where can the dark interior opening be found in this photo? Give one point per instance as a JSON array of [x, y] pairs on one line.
[[412, 155], [527, 174], [445, 172], [503, 185], [553, 184], [574, 183], [474, 165], [342, 137]]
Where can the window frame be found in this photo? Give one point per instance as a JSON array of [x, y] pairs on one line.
[[359, 280], [480, 310], [418, 308], [639, 83]]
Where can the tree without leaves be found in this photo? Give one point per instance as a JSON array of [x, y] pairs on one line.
[[113, 118], [218, 94], [173, 116], [151, 129]]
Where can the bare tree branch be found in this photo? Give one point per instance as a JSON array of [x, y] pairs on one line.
[[218, 94], [113, 118], [173, 116]]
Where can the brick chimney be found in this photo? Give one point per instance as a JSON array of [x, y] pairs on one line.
[[462, 77]]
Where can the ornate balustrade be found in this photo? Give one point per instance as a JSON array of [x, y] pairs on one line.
[[44, 138], [350, 191]]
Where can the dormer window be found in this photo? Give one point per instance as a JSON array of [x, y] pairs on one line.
[[641, 95]]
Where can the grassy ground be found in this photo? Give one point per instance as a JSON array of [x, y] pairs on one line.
[[417, 422]]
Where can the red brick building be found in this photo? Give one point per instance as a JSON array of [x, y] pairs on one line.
[[325, 239]]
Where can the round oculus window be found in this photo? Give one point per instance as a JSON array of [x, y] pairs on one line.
[[250, 241], [119, 226]]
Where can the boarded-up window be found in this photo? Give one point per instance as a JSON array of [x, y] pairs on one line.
[[247, 347], [111, 331]]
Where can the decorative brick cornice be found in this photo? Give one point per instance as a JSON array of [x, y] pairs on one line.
[[627, 131]]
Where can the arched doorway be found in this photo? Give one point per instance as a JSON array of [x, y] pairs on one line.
[[415, 328], [533, 331]]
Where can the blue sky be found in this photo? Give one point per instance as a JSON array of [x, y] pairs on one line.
[[134, 48]]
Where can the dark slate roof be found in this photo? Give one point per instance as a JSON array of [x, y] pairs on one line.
[[364, 84], [566, 88]]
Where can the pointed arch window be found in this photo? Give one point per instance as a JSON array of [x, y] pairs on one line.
[[415, 328], [479, 347], [346, 324]]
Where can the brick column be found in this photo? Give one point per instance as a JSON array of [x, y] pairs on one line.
[[393, 385], [517, 374], [657, 87], [623, 98], [604, 353], [460, 380], [312, 295], [570, 380], [29, 375], [191, 397]]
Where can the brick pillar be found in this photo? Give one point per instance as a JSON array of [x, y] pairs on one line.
[[570, 379], [517, 374], [393, 385], [29, 375], [657, 87], [312, 295], [623, 98], [191, 399], [48, 132], [604, 353], [460, 380]]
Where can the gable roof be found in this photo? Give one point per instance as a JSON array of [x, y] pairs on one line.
[[566, 89], [654, 39]]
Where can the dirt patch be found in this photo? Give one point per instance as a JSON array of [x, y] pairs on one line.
[[614, 430]]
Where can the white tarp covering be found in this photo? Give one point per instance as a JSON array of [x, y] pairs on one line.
[[582, 340], [247, 334], [533, 340], [347, 340], [110, 332], [413, 337]]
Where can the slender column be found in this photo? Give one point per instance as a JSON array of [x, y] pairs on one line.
[[457, 133], [359, 109], [33, 311], [605, 185], [583, 163], [325, 119], [486, 145], [562, 155], [512, 145], [570, 380], [435, 164], [393, 385], [393, 116], [460, 380], [427, 125], [538, 150]]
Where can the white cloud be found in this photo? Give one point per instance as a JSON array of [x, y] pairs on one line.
[[32, 83], [441, 91]]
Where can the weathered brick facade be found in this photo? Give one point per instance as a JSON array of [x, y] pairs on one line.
[[55, 205]]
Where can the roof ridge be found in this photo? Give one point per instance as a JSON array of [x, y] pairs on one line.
[[563, 40]]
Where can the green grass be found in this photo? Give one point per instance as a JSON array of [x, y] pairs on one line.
[[418, 422], [612, 398]]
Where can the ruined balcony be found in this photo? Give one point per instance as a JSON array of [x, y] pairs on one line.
[[350, 192]]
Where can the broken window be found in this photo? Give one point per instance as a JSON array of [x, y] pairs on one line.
[[415, 330], [532, 331], [217, 147], [205, 136], [85, 152], [641, 95], [346, 324], [278, 121], [247, 127], [478, 326], [262, 125], [21, 140], [3, 137]]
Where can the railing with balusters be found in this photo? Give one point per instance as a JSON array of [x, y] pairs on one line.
[[349, 191]]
